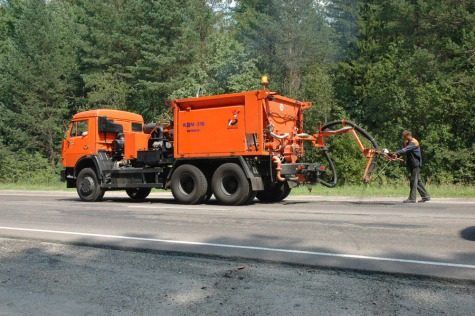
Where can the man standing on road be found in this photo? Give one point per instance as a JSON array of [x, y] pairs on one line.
[[413, 162]]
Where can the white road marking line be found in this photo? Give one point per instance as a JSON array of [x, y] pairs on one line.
[[196, 243], [164, 207]]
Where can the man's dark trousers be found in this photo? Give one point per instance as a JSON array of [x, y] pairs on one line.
[[416, 183]]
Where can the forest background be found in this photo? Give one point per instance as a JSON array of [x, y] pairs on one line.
[[388, 65]]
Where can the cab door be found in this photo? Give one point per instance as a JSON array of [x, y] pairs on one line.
[[79, 142]]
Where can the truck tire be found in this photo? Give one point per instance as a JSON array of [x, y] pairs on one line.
[[230, 185], [138, 193], [209, 192], [208, 195], [251, 197], [88, 187], [274, 192], [189, 185]]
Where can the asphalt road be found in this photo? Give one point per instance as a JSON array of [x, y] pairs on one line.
[[42, 278], [383, 235]]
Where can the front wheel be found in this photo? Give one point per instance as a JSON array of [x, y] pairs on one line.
[[138, 193], [230, 185], [88, 187]]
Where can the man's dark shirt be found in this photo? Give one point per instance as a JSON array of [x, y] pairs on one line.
[[413, 152]]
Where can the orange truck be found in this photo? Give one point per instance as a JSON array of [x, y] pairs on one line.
[[235, 146]]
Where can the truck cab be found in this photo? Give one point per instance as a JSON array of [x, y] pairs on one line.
[[96, 130], [95, 157]]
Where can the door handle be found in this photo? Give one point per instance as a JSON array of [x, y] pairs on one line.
[[86, 147]]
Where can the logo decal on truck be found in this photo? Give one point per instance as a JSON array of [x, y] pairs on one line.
[[233, 123]]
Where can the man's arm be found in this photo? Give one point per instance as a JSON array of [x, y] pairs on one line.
[[410, 147]]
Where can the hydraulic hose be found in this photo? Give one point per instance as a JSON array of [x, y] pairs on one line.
[[357, 128], [334, 179], [361, 131]]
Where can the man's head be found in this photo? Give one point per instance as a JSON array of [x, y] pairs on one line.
[[407, 135]]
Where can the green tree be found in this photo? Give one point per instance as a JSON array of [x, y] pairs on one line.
[[318, 86], [139, 53], [108, 47], [286, 37], [343, 17], [37, 77], [217, 61], [415, 69], [10, 10]]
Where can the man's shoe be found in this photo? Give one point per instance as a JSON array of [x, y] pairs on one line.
[[409, 201], [427, 199]]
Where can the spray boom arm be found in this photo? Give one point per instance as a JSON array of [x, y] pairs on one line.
[[372, 154], [286, 145]]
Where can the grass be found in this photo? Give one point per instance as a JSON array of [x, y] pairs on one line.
[[441, 191], [59, 186], [436, 191]]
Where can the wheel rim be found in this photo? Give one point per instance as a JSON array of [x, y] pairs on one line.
[[229, 185], [87, 185], [187, 184]]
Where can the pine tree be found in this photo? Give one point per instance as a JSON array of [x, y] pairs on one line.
[[286, 37], [137, 54], [108, 48], [36, 77], [415, 70], [343, 17]]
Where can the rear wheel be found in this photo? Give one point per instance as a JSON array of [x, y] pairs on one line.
[[251, 197], [209, 192], [138, 193], [88, 187], [208, 195], [274, 192], [189, 185], [230, 185]]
